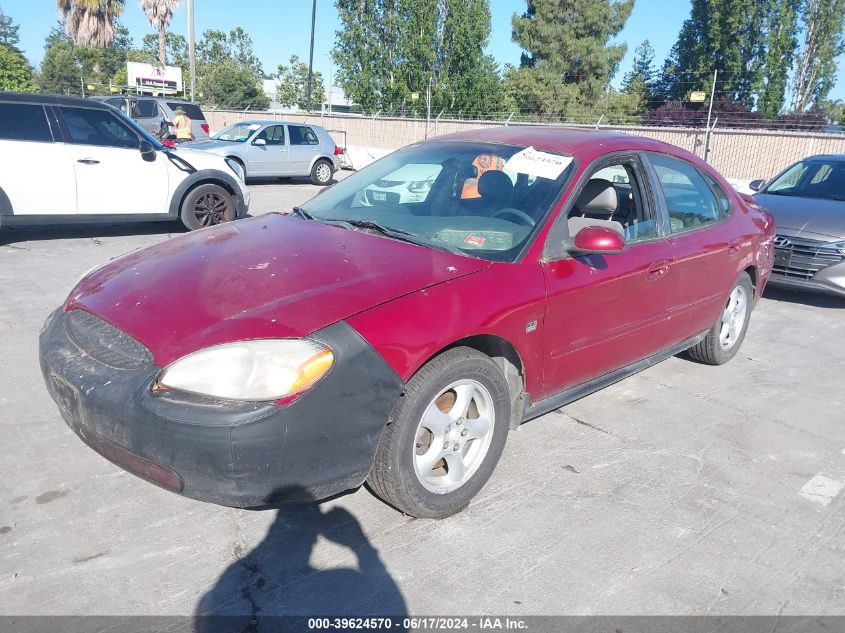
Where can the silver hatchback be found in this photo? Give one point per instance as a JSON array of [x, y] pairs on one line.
[[277, 148]]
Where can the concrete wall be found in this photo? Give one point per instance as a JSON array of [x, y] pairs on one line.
[[744, 154]]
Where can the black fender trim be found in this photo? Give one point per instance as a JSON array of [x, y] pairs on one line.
[[5, 206], [207, 176]]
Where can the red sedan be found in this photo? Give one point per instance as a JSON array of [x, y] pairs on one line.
[[398, 325]]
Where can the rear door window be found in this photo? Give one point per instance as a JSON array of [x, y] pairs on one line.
[[689, 200], [300, 135], [145, 109], [24, 122], [97, 127]]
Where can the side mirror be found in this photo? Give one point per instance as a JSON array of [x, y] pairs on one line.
[[598, 240], [756, 185], [148, 152], [259, 142]]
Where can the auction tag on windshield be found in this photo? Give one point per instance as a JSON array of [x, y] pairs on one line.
[[536, 163]]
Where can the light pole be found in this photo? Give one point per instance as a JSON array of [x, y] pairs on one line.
[[311, 56], [331, 79], [192, 63]]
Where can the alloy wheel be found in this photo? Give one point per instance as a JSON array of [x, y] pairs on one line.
[[453, 436], [733, 318], [211, 208]]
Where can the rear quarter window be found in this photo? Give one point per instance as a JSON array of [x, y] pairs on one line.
[[145, 109], [24, 122]]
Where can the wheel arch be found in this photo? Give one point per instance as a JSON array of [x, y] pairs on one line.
[[752, 272], [197, 179], [507, 358]]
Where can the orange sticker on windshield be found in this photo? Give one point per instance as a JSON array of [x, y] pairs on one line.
[[474, 240]]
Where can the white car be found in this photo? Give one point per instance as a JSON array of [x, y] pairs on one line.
[[408, 184], [64, 159]]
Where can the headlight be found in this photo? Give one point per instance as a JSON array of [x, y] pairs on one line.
[[235, 166], [250, 370]]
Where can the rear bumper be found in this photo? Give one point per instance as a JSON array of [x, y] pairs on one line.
[[234, 454]]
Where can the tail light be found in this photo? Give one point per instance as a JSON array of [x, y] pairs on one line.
[[204, 127], [338, 151]]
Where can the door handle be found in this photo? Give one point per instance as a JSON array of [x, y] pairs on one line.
[[735, 246], [657, 270], [88, 161]]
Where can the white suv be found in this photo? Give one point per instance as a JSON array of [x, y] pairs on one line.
[[64, 159]]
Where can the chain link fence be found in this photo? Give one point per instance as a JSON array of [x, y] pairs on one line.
[[736, 153]]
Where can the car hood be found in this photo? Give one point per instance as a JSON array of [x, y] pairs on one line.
[[205, 145], [825, 218], [200, 159], [272, 276]]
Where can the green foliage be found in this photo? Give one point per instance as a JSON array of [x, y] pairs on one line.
[[90, 22], [9, 32], [15, 71], [567, 43], [229, 84], [815, 75], [780, 43], [61, 71], [835, 111], [641, 81], [292, 91], [216, 47], [387, 51]]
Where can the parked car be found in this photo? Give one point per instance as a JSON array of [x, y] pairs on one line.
[[409, 183], [399, 343], [278, 148], [64, 159], [154, 113], [808, 203]]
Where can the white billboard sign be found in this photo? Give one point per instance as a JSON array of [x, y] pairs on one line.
[[155, 80]]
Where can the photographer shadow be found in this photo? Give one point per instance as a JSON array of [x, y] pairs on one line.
[[276, 578]]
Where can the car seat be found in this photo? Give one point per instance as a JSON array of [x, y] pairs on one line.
[[595, 206]]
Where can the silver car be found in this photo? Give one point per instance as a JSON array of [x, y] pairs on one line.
[[151, 112], [808, 203], [277, 148]]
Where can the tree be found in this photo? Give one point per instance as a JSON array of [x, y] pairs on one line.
[[815, 74], [389, 51], [292, 91], [723, 35], [567, 42], [9, 33], [230, 84], [15, 71], [781, 41], [641, 79], [159, 13], [61, 72], [90, 22], [216, 47]]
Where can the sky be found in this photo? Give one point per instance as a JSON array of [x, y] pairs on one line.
[[280, 28]]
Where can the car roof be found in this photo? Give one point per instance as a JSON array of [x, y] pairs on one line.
[[27, 97], [274, 122], [561, 139], [825, 157]]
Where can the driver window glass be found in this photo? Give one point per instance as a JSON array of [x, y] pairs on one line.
[[97, 127], [613, 198], [689, 200], [274, 135]]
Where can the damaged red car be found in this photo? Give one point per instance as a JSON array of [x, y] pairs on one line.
[[396, 327]]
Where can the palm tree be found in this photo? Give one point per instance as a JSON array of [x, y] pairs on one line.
[[159, 13], [90, 22]]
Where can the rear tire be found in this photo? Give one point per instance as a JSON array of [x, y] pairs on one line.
[[725, 337], [322, 172], [207, 205], [444, 436]]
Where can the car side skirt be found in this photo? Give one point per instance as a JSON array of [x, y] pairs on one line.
[[568, 396], [98, 218]]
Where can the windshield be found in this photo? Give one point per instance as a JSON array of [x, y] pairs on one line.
[[816, 178], [481, 199], [237, 133]]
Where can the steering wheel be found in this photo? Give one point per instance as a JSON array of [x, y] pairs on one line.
[[515, 213]]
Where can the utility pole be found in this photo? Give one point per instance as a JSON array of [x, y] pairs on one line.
[[428, 106], [192, 53], [311, 57], [709, 114]]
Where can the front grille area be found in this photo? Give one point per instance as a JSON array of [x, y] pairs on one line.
[[104, 342], [801, 259]]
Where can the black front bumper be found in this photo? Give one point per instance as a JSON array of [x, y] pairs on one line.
[[234, 454]]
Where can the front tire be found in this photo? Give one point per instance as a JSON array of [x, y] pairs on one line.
[[207, 205], [444, 437], [725, 338], [322, 172]]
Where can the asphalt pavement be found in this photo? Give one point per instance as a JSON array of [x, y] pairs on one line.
[[685, 489]]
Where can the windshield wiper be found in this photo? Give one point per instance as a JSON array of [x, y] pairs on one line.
[[398, 234], [302, 213]]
